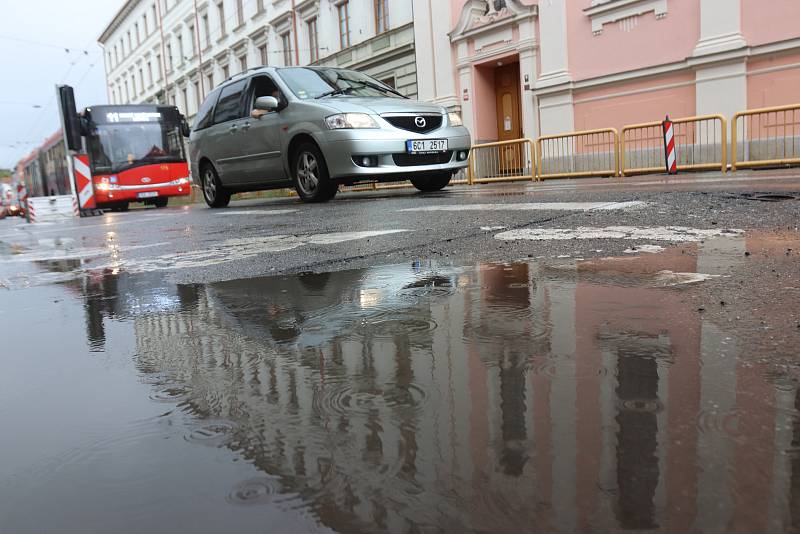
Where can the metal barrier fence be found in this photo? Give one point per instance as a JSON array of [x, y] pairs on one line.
[[578, 154], [765, 137], [504, 161], [701, 143]]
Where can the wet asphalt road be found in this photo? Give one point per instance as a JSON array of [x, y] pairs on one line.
[[262, 237], [595, 355]]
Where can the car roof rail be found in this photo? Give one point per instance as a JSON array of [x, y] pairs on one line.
[[238, 74]]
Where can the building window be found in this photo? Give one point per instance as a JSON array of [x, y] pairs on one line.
[[149, 74], [313, 41], [260, 8], [239, 13], [243, 62], [181, 55], [286, 41], [133, 83], [192, 37], [381, 16], [146, 26], [185, 95], [197, 96], [262, 53], [136, 33], [226, 72], [207, 30], [169, 57], [141, 80], [130, 42], [116, 55], [160, 67], [390, 82], [221, 14], [209, 82], [344, 24]]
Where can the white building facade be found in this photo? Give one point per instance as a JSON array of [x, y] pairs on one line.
[[177, 51]]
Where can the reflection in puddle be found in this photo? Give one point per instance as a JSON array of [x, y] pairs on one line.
[[494, 398]]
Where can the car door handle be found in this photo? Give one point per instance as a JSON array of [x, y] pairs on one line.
[[232, 129], [246, 126]]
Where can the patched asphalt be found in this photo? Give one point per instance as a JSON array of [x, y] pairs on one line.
[[197, 244]]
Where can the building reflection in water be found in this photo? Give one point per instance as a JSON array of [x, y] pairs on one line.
[[491, 398]]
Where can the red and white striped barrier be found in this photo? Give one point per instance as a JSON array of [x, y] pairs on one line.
[[30, 211], [83, 182], [669, 146]]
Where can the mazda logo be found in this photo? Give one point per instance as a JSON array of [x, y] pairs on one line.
[[420, 122], [146, 180]]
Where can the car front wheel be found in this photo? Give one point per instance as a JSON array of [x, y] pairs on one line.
[[311, 178], [431, 183], [215, 195]]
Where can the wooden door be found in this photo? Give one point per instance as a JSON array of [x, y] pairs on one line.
[[509, 123]]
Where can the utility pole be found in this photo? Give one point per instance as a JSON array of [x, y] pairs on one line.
[[294, 30], [199, 53]]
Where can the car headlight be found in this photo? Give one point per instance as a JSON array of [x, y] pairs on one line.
[[455, 119], [350, 121]]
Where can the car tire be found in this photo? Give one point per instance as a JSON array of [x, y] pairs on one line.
[[215, 195], [161, 202], [431, 183], [310, 172]]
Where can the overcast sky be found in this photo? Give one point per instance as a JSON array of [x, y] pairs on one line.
[[33, 37]]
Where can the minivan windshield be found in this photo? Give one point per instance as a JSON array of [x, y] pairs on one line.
[[308, 83]]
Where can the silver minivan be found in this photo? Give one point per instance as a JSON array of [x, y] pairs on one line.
[[315, 128]]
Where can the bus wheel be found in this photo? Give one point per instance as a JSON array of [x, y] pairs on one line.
[[215, 195], [161, 202]]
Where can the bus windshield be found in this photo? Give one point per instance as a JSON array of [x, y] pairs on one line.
[[115, 147]]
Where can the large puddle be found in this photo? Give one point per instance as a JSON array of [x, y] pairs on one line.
[[523, 397]]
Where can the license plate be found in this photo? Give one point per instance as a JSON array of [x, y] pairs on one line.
[[149, 194], [427, 146]]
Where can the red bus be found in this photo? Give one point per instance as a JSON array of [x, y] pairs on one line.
[[136, 154]]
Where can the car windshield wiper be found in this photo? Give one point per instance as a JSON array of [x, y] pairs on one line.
[[340, 91], [382, 89], [362, 83]]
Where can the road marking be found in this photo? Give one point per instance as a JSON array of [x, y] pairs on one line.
[[239, 249], [255, 212], [63, 253], [649, 249], [492, 228], [534, 206], [659, 233]]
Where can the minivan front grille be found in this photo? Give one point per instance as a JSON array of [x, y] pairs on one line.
[[412, 160], [415, 123]]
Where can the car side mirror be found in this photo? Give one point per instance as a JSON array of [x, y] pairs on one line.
[[266, 103], [186, 131]]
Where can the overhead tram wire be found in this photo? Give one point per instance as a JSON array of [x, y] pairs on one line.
[[36, 126], [65, 48]]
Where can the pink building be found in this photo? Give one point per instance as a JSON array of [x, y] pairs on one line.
[[524, 68]]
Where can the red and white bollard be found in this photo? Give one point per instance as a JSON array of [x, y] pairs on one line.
[[669, 146]]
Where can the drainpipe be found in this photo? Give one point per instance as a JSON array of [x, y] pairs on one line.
[[294, 30], [199, 52], [163, 50]]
